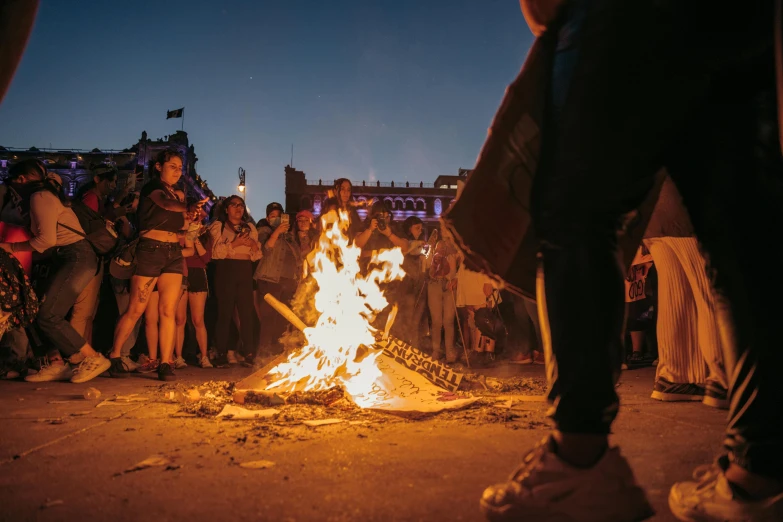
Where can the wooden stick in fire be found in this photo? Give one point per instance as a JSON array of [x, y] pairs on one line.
[[286, 312], [292, 318]]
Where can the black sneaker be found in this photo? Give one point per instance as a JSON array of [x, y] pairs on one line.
[[637, 360], [671, 392], [716, 396], [118, 368], [166, 372]]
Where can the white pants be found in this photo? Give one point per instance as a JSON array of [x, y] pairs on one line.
[[689, 340]]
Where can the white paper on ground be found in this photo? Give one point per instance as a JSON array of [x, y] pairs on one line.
[[237, 413], [402, 389]]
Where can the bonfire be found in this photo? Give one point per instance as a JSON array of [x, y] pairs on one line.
[[338, 347]]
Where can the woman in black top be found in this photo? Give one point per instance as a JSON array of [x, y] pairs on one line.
[[162, 215]]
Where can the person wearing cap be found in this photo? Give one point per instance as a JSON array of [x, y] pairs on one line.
[[75, 264], [277, 274], [94, 195], [305, 235]]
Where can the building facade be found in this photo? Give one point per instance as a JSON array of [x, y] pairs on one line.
[[136, 163], [426, 201]]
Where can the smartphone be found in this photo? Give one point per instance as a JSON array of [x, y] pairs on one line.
[[285, 218]]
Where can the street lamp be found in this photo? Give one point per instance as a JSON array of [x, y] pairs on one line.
[[241, 187]]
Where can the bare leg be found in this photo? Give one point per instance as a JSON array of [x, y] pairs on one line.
[[181, 319], [151, 319], [198, 301], [637, 341], [141, 290], [169, 289]]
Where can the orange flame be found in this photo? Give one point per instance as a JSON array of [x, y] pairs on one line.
[[348, 302]]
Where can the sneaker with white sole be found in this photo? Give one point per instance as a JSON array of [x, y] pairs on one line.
[[716, 396], [129, 363], [205, 363], [676, 392], [180, 363], [232, 357], [546, 488], [52, 372], [710, 497], [90, 368]]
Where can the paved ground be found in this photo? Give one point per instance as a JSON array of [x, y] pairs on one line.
[[61, 458]]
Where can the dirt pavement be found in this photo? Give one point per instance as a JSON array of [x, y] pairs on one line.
[[63, 458]]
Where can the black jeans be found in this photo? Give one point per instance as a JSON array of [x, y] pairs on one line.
[[234, 289], [639, 86], [73, 268], [273, 324]]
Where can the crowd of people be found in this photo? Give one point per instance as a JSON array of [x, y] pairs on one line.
[[180, 274]]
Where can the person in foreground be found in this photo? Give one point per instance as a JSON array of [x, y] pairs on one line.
[[637, 86]]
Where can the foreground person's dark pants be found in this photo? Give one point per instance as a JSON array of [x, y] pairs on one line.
[[234, 289], [644, 85]]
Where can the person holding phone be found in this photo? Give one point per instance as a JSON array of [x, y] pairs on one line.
[[235, 248], [381, 233], [277, 274], [162, 215]]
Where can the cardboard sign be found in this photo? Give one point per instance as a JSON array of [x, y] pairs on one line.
[[414, 359], [404, 390], [636, 282]]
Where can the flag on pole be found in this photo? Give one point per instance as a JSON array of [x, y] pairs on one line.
[[176, 113]]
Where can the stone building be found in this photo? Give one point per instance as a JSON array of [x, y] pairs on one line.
[[73, 165], [427, 201]]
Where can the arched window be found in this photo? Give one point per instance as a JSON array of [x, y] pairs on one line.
[[438, 207], [421, 204], [399, 204], [410, 205]]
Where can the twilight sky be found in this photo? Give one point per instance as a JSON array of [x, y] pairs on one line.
[[393, 90]]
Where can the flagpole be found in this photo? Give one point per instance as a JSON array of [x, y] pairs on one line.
[[182, 128]]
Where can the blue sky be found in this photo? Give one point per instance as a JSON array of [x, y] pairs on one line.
[[365, 89]]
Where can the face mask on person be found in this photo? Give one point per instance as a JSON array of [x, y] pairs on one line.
[[275, 222]]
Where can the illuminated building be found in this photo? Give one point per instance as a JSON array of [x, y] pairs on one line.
[[73, 165], [426, 201]]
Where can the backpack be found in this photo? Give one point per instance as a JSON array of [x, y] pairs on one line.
[[98, 231]]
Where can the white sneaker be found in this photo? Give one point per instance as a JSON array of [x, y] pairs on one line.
[[205, 363], [231, 356], [546, 488], [90, 368], [129, 363], [709, 497], [180, 363], [52, 372]]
